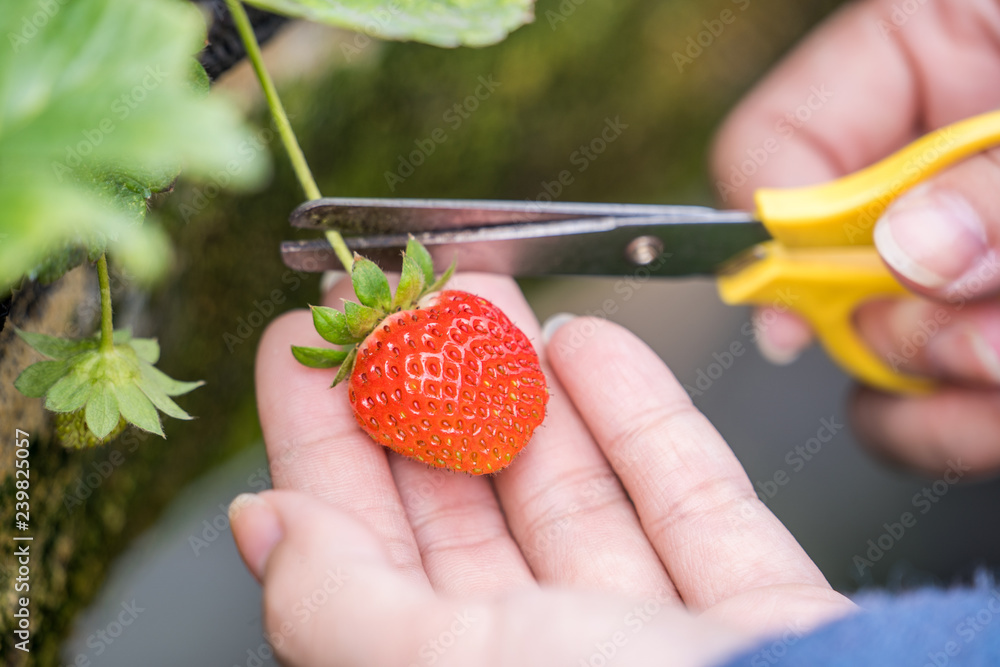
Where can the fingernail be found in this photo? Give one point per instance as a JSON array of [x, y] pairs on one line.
[[257, 530], [932, 237], [776, 354], [987, 355], [553, 324], [329, 279]]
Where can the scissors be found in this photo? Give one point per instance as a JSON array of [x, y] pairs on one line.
[[808, 249]]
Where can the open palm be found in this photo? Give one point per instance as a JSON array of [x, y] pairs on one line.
[[626, 513]]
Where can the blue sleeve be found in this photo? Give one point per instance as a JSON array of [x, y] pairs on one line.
[[926, 628]]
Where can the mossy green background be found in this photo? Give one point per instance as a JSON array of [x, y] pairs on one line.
[[559, 81]]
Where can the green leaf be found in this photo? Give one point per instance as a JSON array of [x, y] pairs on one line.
[[148, 349], [331, 324], [102, 411], [319, 357], [346, 367], [370, 284], [136, 408], [360, 319], [416, 251], [445, 277], [411, 283], [160, 399], [69, 393], [167, 384], [438, 22], [104, 115], [38, 378], [56, 348]]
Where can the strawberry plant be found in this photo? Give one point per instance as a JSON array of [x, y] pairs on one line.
[[88, 133], [444, 378]]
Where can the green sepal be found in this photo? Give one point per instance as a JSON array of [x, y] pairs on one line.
[[360, 319], [370, 284], [148, 349], [346, 367], [102, 411], [411, 283], [332, 325], [56, 348], [38, 378], [155, 393], [69, 393], [136, 407], [319, 357], [416, 251], [445, 277], [167, 384]]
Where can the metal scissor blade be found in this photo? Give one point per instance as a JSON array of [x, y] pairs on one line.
[[611, 245], [363, 216]]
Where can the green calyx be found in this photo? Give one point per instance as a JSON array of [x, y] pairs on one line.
[[377, 302], [101, 389]]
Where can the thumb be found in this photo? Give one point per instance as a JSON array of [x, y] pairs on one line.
[[942, 238]]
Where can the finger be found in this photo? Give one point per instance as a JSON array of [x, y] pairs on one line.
[[568, 511], [954, 427], [860, 87], [958, 343], [461, 533], [332, 597], [464, 542], [781, 335], [696, 503], [314, 445], [942, 239]]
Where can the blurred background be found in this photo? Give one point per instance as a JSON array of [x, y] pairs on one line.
[[360, 109]]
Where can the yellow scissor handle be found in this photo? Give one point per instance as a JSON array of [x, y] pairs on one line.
[[823, 253]]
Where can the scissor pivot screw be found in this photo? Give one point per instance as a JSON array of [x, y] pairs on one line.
[[644, 250]]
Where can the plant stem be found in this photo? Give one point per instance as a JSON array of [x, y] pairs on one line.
[[299, 164], [107, 328]]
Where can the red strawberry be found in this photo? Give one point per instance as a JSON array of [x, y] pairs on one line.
[[449, 381], [453, 384]]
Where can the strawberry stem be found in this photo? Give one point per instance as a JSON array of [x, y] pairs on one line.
[[107, 328], [291, 143]]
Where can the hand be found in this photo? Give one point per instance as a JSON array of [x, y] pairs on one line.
[[869, 81], [624, 517]]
